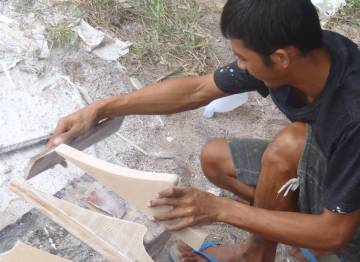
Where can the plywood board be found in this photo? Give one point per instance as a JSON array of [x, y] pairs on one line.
[[137, 187], [21, 252], [115, 239]]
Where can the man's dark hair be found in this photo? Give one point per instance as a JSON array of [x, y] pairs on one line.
[[267, 25]]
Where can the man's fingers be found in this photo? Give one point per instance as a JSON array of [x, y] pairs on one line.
[[174, 214], [64, 138], [183, 223], [163, 202], [172, 192], [62, 127]]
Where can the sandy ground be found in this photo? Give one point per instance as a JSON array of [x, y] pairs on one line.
[[183, 135]]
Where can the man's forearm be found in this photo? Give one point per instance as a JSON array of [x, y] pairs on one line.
[[311, 231], [170, 96]]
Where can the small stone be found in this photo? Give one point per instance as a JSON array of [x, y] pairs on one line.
[[5, 169], [116, 20]]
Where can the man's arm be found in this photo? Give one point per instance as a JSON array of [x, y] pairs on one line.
[[327, 231], [170, 96]]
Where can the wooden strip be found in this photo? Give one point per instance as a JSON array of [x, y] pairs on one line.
[[21, 252], [115, 239], [137, 187]]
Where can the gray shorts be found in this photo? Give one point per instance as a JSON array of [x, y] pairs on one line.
[[247, 154]]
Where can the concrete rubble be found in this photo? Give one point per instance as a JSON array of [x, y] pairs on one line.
[[101, 44]]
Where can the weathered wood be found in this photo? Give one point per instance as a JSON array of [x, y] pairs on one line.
[[115, 239], [137, 187], [21, 252], [49, 158]]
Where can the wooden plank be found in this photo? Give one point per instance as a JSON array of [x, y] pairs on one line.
[[21, 252], [49, 158], [137, 187], [115, 239]]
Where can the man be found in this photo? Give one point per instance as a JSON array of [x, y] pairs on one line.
[[313, 76]]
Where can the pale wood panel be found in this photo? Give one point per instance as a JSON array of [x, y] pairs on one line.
[[137, 187], [21, 252], [115, 239]]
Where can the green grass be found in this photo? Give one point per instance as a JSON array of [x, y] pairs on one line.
[[163, 31], [353, 4], [349, 15], [100, 13], [169, 32]]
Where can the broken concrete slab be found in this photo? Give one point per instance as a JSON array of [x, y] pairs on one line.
[[101, 44]]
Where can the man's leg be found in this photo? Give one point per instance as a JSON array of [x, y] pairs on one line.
[[278, 165], [218, 166]]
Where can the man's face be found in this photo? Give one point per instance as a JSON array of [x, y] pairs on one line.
[[273, 75]]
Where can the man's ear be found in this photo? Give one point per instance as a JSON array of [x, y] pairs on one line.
[[282, 57]]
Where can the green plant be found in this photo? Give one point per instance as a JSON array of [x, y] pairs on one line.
[[62, 36], [353, 4]]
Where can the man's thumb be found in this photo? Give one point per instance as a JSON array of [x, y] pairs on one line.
[[64, 138]]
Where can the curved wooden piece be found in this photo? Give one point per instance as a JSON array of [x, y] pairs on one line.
[[137, 187], [21, 252], [115, 239]]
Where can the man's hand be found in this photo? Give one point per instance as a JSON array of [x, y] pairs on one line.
[[190, 206], [74, 125]]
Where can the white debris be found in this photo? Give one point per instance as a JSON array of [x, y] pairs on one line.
[[51, 241], [136, 83], [92, 37], [170, 139], [7, 74], [112, 49], [8, 63], [41, 42], [159, 155], [6, 20], [215, 191], [329, 7], [225, 104], [102, 45], [14, 43], [5, 169]]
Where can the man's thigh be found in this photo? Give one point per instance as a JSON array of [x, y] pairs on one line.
[[246, 155]]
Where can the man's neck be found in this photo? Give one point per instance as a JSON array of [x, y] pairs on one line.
[[311, 73]]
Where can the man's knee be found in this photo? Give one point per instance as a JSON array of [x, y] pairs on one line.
[[284, 152], [216, 159]]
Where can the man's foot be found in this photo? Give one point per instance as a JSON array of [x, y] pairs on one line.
[[249, 250], [296, 252]]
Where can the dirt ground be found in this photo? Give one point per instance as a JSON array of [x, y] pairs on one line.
[[183, 134]]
